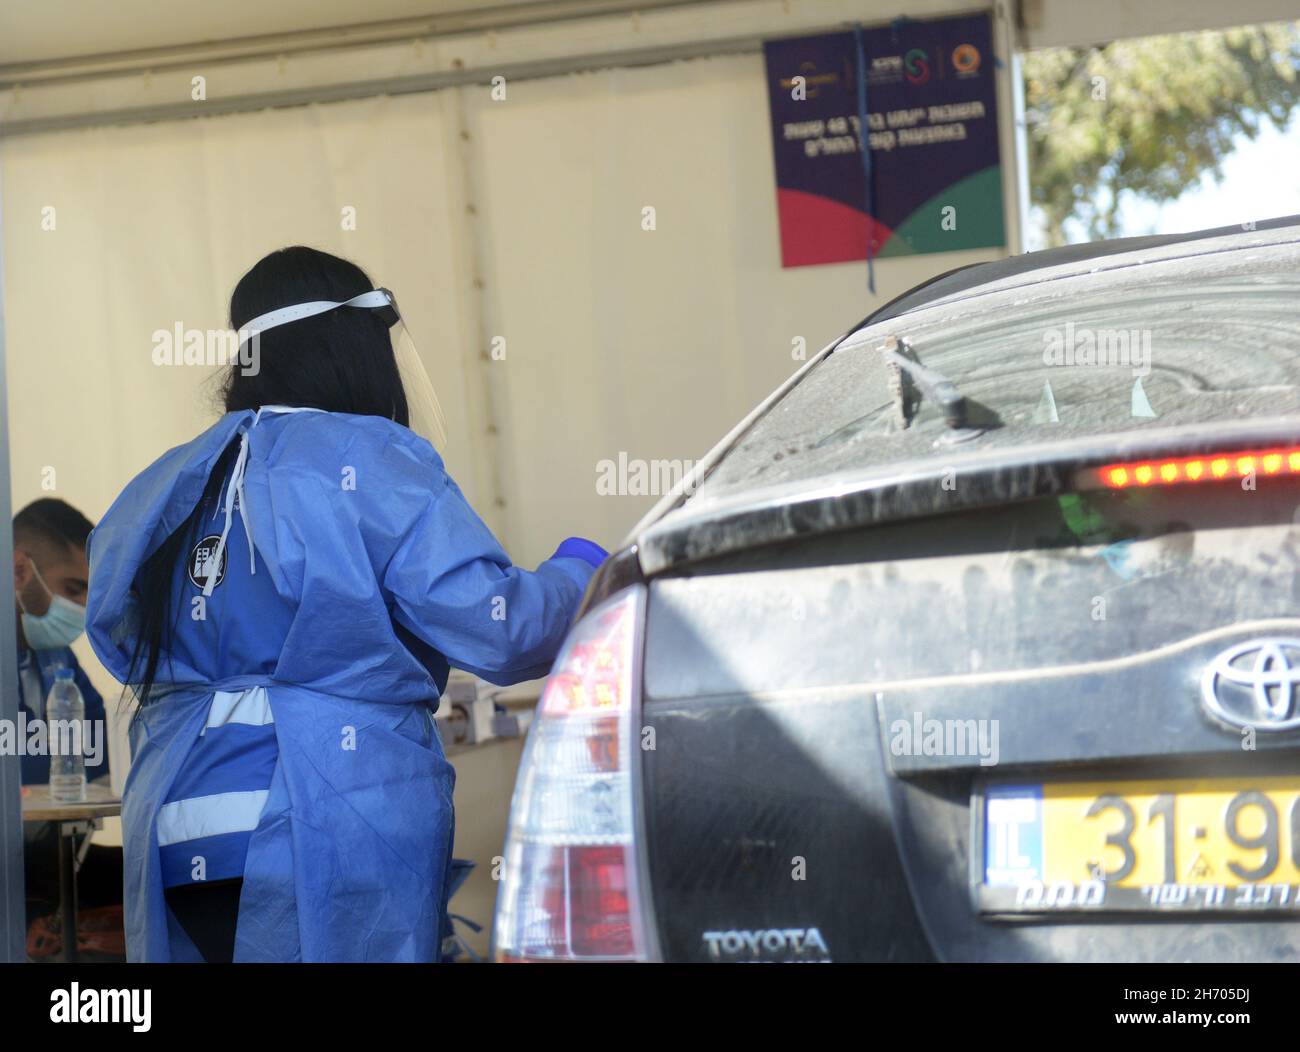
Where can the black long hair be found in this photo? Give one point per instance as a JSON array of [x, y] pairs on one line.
[[341, 361]]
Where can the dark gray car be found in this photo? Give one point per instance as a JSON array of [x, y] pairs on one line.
[[978, 640]]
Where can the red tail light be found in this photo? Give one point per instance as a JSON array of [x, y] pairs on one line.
[[570, 890], [1211, 467]]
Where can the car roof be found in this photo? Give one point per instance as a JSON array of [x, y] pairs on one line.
[[974, 275]]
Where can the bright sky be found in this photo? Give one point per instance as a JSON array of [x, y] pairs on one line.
[[1261, 180]]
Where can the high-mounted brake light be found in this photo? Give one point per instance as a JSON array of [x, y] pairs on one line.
[[1212, 467], [570, 890]]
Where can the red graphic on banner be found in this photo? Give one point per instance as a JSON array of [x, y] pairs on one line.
[[815, 229]]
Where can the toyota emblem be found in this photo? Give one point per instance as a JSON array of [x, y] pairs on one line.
[[1253, 684]]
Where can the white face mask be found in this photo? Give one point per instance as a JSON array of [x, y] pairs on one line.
[[58, 627]]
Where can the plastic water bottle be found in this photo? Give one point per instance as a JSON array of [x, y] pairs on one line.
[[67, 772]]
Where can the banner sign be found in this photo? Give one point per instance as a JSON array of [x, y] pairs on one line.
[[935, 180]]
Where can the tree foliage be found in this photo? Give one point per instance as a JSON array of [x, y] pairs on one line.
[[1150, 116]]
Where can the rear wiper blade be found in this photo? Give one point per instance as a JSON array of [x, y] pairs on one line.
[[956, 407]]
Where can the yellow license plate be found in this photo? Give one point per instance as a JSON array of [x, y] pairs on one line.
[[1193, 844]]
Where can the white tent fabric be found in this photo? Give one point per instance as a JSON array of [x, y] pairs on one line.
[[152, 226]]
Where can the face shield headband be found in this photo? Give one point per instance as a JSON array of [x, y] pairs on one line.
[[425, 412]]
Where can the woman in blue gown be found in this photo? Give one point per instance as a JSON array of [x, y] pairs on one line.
[[284, 595]]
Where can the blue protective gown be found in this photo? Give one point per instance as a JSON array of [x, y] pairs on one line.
[[372, 574]]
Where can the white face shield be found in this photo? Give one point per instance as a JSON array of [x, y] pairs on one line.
[[422, 403]]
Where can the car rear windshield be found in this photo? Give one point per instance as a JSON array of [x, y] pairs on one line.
[[1184, 341]]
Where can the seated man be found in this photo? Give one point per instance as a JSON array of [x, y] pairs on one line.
[[50, 576]]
